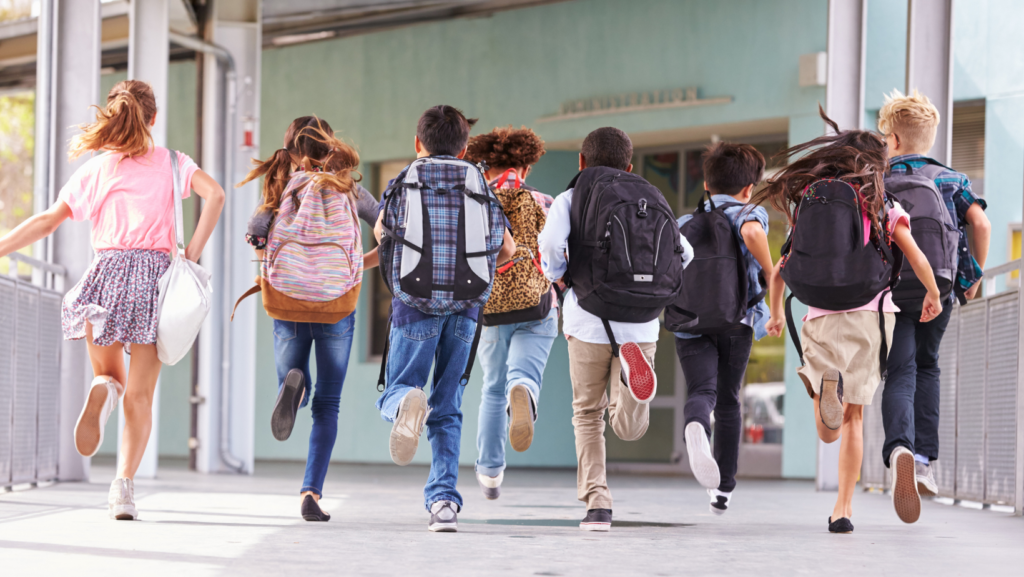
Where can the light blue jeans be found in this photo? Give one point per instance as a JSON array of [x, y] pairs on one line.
[[442, 342], [509, 355]]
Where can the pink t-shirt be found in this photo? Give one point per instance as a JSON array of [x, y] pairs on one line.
[[896, 214], [128, 202]]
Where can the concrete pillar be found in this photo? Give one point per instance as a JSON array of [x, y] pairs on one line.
[[73, 76], [227, 365], [844, 103], [930, 64], [148, 58]]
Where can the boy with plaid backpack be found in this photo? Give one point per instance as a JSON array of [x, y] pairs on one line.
[[442, 233]]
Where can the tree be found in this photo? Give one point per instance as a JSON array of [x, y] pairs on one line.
[[17, 145]]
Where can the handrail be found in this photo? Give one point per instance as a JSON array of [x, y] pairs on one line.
[[1003, 268], [34, 262]]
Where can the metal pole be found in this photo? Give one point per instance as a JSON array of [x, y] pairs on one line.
[[930, 64], [1018, 500]]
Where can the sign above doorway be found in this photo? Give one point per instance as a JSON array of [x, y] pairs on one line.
[[633, 102]]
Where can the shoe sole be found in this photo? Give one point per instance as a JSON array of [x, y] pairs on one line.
[[124, 515], [316, 518], [904, 492], [640, 378], [704, 469], [520, 429], [401, 445], [716, 510], [89, 429], [596, 526], [282, 419], [443, 528], [829, 405]]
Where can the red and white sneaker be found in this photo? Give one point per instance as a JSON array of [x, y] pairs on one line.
[[638, 373]]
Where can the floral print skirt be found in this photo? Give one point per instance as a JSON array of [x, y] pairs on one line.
[[118, 296]]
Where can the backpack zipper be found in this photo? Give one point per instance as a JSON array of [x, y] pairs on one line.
[[273, 257], [625, 239], [657, 244]]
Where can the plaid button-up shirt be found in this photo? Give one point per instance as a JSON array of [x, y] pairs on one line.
[[956, 192]]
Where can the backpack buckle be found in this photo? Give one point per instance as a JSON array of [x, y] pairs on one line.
[[642, 213]]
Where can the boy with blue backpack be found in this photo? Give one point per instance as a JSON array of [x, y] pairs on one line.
[[441, 232], [941, 205], [730, 243]]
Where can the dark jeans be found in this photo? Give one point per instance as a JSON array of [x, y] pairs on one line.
[[713, 366], [292, 345], [910, 397]]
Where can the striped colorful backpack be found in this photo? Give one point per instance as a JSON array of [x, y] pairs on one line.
[[313, 263]]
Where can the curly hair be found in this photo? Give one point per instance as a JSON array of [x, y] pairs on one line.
[[506, 148]]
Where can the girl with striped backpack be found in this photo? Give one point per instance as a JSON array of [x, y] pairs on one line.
[[308, 240]]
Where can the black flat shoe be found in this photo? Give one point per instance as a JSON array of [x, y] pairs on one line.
[[841, 525], [311, 510], [288, 399]]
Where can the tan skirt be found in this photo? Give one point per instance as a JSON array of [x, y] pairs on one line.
[[848, 342]]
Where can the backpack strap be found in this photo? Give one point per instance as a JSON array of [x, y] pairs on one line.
[[763, 285], [791, 325], [883, 351], [611, 337], [244, 296], [472, 351], [381, 380]]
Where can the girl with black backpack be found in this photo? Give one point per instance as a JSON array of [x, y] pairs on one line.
[[844, 254]]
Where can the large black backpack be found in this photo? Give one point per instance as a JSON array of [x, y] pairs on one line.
[[624, 248], [933, 230], [715, 287], [828, 265]]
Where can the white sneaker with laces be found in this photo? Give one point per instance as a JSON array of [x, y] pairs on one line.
[[99, 404], [702, 462], [121, 500], [443, 517]]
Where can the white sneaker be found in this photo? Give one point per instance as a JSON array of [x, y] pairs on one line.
[[905, 498], [719, 501], [121, 500], [491, 486], [702, 462], [99, 404], [443, 517], [408, 426]]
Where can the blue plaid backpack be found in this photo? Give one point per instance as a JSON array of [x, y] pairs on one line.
[[442, 230]]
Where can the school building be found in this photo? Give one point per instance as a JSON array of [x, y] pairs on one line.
[[674, 74]]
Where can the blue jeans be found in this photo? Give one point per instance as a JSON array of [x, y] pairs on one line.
[[910, 397], [292, 344], [509, 355], [443, 341]]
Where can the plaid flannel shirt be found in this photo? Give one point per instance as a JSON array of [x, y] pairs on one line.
[[956, 192]]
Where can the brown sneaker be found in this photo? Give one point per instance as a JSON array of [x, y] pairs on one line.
[[520, 422], [905, 498], [405, 432], [830, 401]]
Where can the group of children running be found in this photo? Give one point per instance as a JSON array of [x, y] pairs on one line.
[[480, 264]]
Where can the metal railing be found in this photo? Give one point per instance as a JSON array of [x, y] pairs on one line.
[[30, 311], [979, 459]]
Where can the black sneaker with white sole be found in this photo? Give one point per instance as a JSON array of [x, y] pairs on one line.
[[282, 420], [597, 520], [444, 517], [719, 501]]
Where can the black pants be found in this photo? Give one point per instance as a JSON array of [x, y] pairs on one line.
[[713, 366], [910, 397]]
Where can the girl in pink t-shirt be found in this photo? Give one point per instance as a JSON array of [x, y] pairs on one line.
[[841, 348], [126, 193]]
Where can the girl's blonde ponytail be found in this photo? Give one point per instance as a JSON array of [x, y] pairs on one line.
[[122, 126]]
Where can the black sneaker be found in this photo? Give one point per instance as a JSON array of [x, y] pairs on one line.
[[444, 517], [311, 510], [830, 401], [719, 501], [288, 400], [841, 525], [597, 520]]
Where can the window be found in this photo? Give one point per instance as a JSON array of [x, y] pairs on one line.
[[968, 154], [380, 306]]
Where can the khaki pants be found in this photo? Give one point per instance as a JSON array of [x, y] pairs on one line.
[[591, 367]]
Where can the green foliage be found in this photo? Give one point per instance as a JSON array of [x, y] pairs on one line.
[[17, 145]]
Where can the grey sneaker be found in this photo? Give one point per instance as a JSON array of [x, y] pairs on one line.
[[491, 486], [926, 484], [444, 517], [905, 497], [121, 500], [405, 432], [702, 462], [597, 520]]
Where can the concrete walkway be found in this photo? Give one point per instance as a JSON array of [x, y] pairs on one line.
[[197, 525]]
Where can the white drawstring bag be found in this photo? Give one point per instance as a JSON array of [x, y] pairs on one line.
[[185, 291]]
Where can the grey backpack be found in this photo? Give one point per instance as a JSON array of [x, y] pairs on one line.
[[932, 227]]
